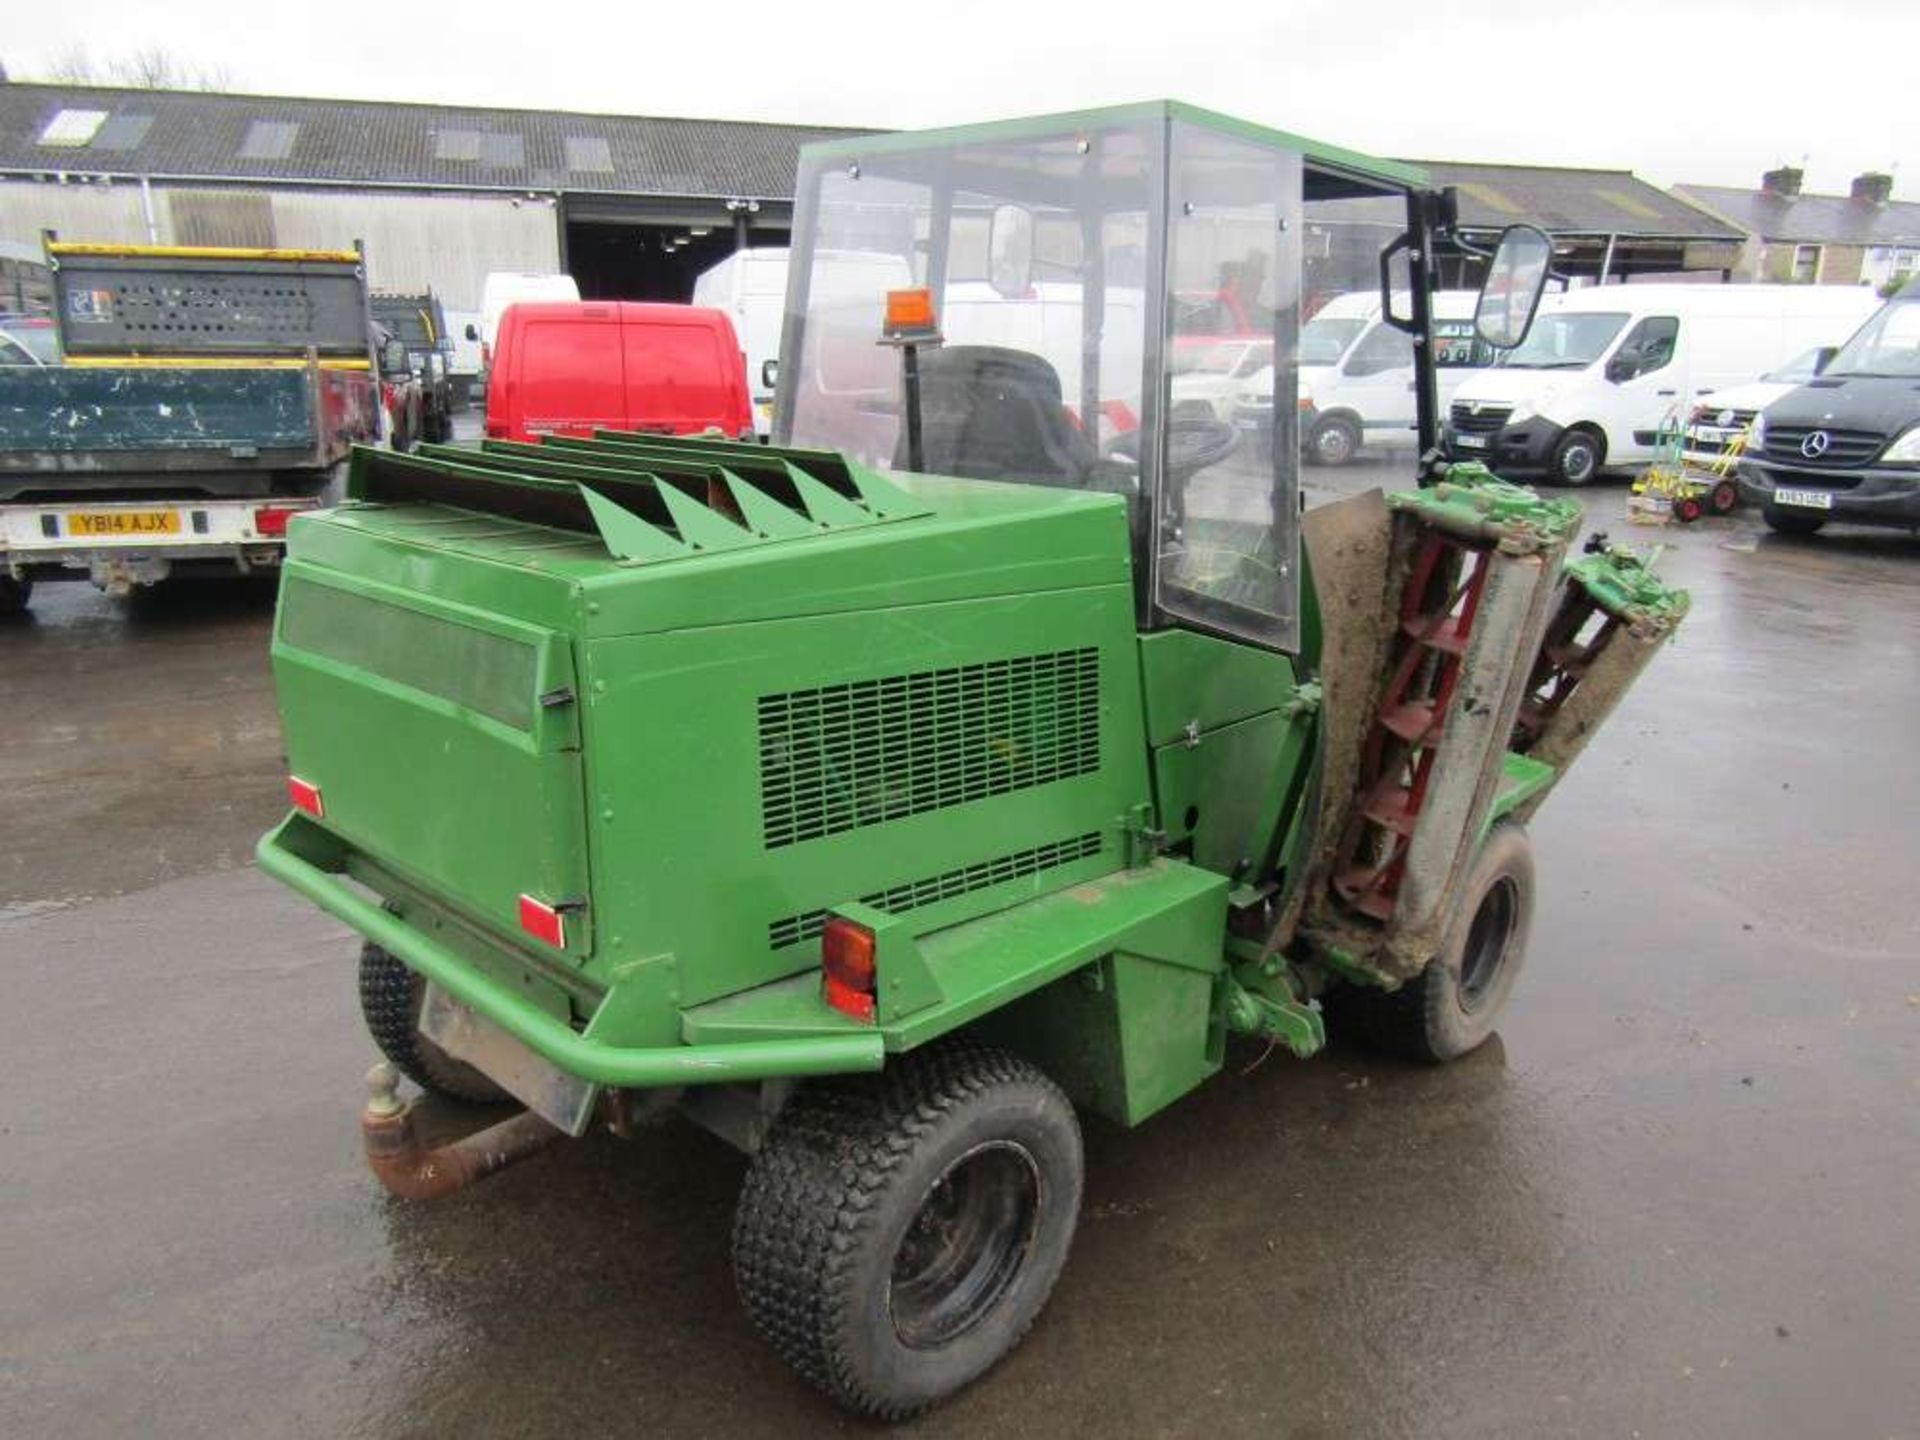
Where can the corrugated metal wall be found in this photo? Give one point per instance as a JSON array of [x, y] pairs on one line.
[[448, 242], [108, 213]]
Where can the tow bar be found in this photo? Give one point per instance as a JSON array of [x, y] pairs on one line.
[[414, 1172]]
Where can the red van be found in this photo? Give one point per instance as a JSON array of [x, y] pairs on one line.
[[569, 368]]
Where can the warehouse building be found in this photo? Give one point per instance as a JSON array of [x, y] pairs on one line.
[[1608, 226], [633, 207]]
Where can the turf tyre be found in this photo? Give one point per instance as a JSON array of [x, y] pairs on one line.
[[1453, 1005], [390, 1000], [835, 1198]]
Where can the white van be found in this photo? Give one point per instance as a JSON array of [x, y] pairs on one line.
[[751, 286], [1606, 372], [1045, 321], [505, 287], [1356, 374]]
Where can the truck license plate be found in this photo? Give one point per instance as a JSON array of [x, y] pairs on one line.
[[93, 524], [1810, 499], [1471, 442]]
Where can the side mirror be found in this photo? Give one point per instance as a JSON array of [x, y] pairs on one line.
[[473, 332], [1624, 365], [1516, 278], [1010, 251], [769, 373], [1823, 357]]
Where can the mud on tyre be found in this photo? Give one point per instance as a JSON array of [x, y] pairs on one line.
[[1452, 1006]]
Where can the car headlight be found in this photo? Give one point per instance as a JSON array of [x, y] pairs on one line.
[[1905, 450], [1527, 409], [1757, 434]]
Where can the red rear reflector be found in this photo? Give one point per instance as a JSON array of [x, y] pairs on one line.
[[543, 922], [272, 519], [847, 967], [305, 795]]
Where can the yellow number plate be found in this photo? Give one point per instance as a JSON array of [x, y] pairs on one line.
[[122, 522]]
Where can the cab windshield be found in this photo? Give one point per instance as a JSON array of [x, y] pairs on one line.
[[1565, 341], [1111, 292], [1887, 347]]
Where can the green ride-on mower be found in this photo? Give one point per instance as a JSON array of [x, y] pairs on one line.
[[989, 749]]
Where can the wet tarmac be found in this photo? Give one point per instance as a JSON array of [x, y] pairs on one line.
[[1676, 1197]]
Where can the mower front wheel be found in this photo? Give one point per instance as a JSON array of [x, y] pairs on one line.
[[1451, 1007], [898, 1234]]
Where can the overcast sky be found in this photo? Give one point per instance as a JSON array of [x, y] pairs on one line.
[[1677, 90]]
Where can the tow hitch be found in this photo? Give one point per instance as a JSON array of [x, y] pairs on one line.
[[414, 1171]]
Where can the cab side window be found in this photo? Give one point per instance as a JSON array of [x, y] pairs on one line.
[[1648, 347], [1384, 348]]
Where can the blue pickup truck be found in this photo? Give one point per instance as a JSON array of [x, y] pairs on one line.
[[204, 397]]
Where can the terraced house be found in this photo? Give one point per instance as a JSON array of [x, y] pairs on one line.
[[1865, 237]]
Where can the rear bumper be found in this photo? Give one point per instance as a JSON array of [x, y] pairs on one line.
[[1522, 449], [577, 1053], [1882, 496], [41, 538]]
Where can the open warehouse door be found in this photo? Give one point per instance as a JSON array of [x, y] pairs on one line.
[[635, 248]]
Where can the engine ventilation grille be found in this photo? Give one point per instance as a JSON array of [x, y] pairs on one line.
[[899, 899], [844, 756]]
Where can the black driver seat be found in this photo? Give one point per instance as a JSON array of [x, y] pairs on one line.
[[991, 413]]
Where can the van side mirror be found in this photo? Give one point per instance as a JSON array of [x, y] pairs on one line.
[[1823, 357], [1516, 278], [1623, 365], [473, 332], [769, 373]]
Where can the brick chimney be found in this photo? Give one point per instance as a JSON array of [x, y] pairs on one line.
[[1873, 188], [1784, 182]]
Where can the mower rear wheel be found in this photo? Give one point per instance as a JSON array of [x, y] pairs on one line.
[[390, 1000], [1451, 1006], [899, 1233], [1724, 497]]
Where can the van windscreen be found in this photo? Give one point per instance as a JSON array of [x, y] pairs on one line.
[[1565, 341], [1888, 345], [1324, 339]]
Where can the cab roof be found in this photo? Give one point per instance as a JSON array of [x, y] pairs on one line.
[[1330, 157]]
